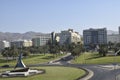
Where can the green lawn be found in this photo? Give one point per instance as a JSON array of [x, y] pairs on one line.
[[32, 59], [53, 73], [93, 58]]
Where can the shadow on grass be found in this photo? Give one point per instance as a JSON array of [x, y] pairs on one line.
[[94, 57], [2, 61], [32, 56], [5, 61], [48, 57]]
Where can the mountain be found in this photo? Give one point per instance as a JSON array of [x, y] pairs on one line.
[[112, 32], [29, 35], [16, 36]]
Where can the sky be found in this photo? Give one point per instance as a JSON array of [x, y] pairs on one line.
[[55, 15]]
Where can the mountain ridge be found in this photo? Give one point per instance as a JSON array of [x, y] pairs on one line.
[[9, 36], [109, 32]]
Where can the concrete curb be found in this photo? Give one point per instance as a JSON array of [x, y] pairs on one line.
[[88, 76]]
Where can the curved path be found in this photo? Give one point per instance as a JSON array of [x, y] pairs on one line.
[[101, 72]]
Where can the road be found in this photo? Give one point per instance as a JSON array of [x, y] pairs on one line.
[[101, 72]]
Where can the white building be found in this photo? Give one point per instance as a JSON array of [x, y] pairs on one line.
[[57, 38], [69, 36], [27, 43], [114, 38], [4, 44]]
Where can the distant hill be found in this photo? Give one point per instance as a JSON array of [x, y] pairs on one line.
[[29, 35], [112, 32], [15, 36]]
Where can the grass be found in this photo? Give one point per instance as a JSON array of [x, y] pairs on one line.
[[32, 59], [53, 73], [94, 58]]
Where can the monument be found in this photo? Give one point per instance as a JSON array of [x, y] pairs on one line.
[[21, 71], [20, 62]]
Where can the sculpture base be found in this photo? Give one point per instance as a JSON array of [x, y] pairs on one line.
[[21, 72]]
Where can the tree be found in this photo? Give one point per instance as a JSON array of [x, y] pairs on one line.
[[5, 53], [10, 52], [115, 47], [14, 52], [26, 53], [32, 50], [54, 49], [63, 48], [110, 45], [103, 50], [91, 46], [71, 46], [77, 49]]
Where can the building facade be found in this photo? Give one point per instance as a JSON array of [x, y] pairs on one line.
[[4, 44], [94, 37], [41, 40], [27, 43], [21, 43], [114, 38], [69, 36]]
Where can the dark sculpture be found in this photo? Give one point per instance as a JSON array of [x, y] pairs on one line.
[[20, 63]]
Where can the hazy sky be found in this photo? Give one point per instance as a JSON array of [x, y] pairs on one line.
[[56, 15]]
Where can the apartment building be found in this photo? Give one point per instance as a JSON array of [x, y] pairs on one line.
[[69, 36], [4, 44], [94, 36], [114, 38], [21, 43], [41, 40]]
